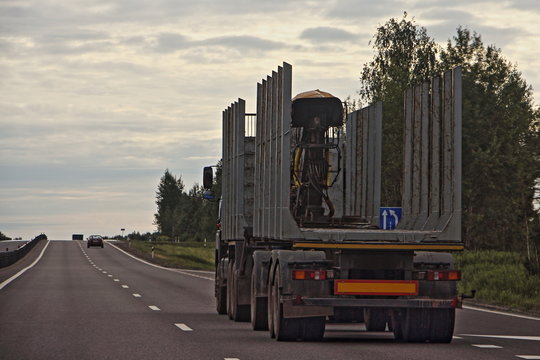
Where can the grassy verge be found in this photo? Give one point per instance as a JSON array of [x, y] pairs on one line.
[[500, 279], [177, 255]]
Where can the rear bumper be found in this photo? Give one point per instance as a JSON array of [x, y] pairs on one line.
[[309, 307]]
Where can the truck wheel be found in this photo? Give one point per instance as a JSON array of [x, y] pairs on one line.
[[442, 325], [416, 325], [236, 312], [259, 307], [230, 286], [270, 309], [375, 319], [433, 325], [240, 312], [284, 329], [313, 328], [221, 300], [397, 320]]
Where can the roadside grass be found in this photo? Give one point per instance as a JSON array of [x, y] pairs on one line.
[[192, 255], [500, 278]]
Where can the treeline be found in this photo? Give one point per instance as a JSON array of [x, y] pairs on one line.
[[185, 215], [501, 140]]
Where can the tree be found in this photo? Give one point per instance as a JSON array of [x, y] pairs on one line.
[[4, 237], [404, 56], [169, 201], [501, 156]]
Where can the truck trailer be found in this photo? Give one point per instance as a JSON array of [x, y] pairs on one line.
[[302, 236]]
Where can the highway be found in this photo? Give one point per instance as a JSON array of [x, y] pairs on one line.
[[79, 303]]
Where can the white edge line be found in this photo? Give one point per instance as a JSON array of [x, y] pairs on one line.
[[160, 267], [2, 285], [501, 313], [511, 337]]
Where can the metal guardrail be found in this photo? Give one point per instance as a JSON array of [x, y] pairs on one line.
[[11, 257]]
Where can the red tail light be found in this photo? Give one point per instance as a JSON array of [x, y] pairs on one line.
[[309, 275], [443, 275]]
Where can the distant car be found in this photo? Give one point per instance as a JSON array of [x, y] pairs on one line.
[[94, 240]]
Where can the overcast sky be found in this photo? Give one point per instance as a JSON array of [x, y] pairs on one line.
[[98, 98]]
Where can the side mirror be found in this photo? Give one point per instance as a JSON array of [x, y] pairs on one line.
[[208, 177]]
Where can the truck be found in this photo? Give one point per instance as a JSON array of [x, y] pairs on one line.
[[302, 237]]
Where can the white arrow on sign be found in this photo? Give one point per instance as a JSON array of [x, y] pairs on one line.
[[384, 214], [393, 213]]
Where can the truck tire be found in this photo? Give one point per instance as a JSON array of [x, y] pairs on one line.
[[442, 325], [313, 328], [229, 296], [375, 319], [397, 319], [416, 325], [270, 309], [259, 307], [236, 312], [221, 300], [284, 329]]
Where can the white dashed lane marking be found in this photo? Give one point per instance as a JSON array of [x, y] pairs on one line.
[[116, 280], [183, 327], [125, 286], [487, 346], [154, 307], [136, 295]]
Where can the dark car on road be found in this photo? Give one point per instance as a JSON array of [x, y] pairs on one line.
[[94, 240]]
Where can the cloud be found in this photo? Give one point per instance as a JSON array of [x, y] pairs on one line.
[[325, 34], [170, 42], [527, 5], [365, 9], [243, 42], [498, 36]]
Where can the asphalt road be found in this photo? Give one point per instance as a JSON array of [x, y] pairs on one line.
[[79, 303]]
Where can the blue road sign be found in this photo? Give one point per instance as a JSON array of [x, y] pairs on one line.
[[389, 217]]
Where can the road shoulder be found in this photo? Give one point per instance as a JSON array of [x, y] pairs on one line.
[[9, 271]]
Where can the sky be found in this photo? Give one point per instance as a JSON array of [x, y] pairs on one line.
[[98, 98]]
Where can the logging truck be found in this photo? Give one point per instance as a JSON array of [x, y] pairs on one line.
[[303, 238]]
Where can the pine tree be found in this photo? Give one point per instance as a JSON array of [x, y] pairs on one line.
[[169, 202]]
